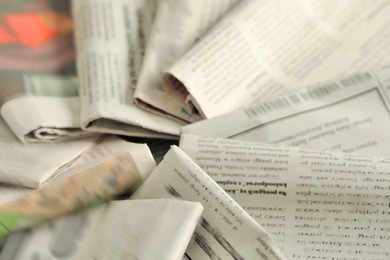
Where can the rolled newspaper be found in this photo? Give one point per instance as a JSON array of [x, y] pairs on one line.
[[87, 187]]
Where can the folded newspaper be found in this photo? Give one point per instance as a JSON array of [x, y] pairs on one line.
[[80, 187], [110, 40], [31, 165], [262, 49], [179, 24]]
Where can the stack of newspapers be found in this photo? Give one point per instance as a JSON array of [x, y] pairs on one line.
[[194, 129]]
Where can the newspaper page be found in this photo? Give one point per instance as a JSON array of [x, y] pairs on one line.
[[265, 48], [225, 230], [30, 165], [109, 55], [178, 25], [128, 229], [38, 91], [349, 114], [315, 204]]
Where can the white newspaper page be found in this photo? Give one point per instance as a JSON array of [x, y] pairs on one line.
[[129, 229], [265, 48], [225, 230], [30, 165], [109, 54], [350, 114], [315, 204], [178, 25]]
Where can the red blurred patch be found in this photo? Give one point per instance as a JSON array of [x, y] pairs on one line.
[[25, 29]]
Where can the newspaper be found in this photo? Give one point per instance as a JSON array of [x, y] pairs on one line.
[[315, 204], [349, 114], [31, 165], [225, 230], [109, 37], [265, 48], [104, 147], [38, 91], [178, 25], [129, 229], [80, 187]]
